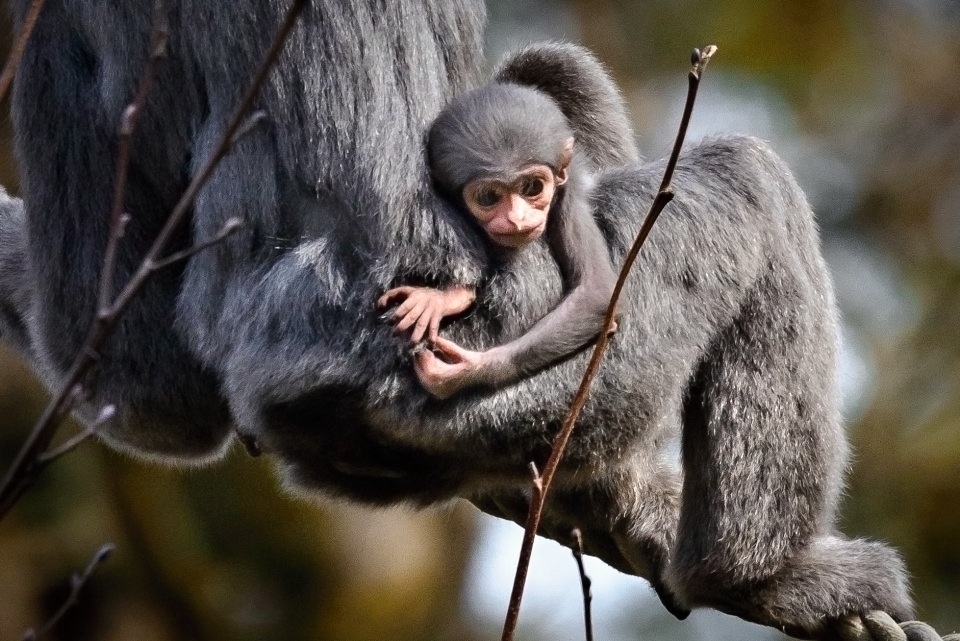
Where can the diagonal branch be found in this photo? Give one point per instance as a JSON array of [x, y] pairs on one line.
[[663, 197], [16, 51], [159, 37], [238, 124], [28, 464], [25, 468], [77, 582]]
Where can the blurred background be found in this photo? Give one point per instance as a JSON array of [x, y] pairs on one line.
[[862, 98]]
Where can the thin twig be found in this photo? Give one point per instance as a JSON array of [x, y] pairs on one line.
[[23, 472], [28, 464], [16, 51], [663, 197], [105, 416], [576, 547], [238, 124], [159, 36], [77, 581], [229, 227]]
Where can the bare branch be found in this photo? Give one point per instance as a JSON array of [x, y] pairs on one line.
[[25, 468], [29, 461], [698, 61], [16, 51], [526, 547], [239, 123], [246, 127], [159, 36], [577, 547], [106, 415], [77, 581], [229, 227], [663, 197]]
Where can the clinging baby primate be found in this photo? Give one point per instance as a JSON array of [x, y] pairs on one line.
[[505, 154]]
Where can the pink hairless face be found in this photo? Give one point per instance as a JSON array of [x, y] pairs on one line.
[[514, 213]]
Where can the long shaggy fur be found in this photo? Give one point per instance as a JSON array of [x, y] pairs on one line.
[[727, 333]]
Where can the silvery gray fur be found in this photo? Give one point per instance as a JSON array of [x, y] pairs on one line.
[[728, 330]]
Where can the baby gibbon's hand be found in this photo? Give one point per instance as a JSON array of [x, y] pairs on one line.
[[422, 308]]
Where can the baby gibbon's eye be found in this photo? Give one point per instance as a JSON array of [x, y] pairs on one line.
[[486, 197], [531, 187]]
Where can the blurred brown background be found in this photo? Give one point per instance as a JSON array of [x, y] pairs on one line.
[[862, 98]]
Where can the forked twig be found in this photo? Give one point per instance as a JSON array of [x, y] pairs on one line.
[[30, 460], [25, 468], [77, 581], [664, 196], [239, 123]]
